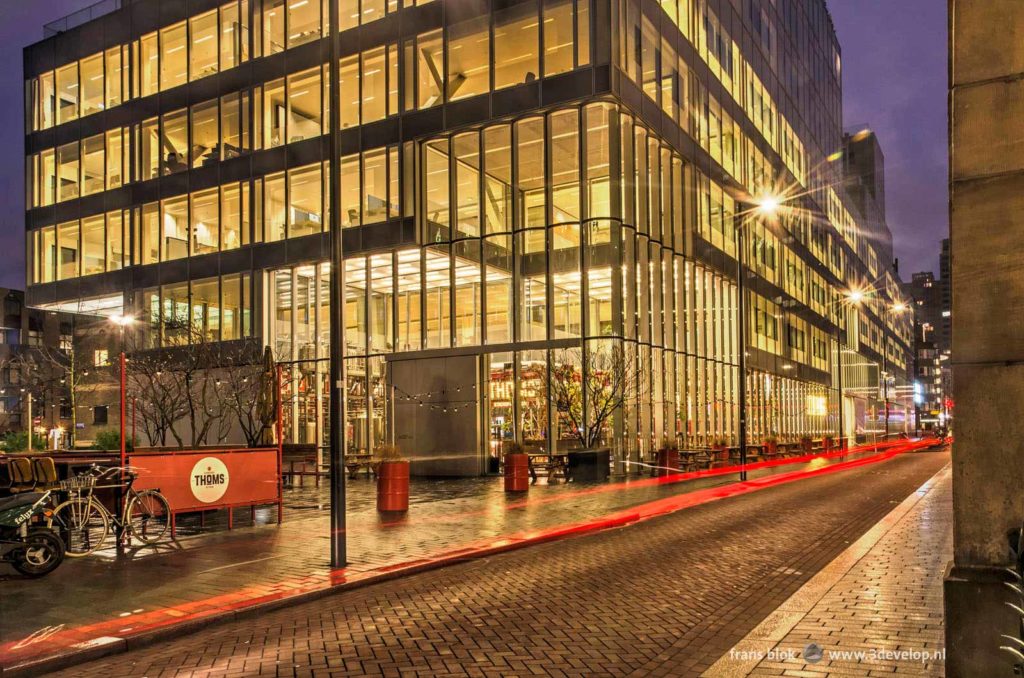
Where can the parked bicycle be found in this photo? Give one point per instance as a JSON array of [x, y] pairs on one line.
[[85, 522]]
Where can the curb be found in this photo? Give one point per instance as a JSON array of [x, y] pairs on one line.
[[491, 547]]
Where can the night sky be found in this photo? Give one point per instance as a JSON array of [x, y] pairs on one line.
[[894, 80]]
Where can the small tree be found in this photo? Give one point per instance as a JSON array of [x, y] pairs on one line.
[[602, 378], [247, 388]]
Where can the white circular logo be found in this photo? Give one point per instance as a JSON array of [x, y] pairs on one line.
[[209, 479]]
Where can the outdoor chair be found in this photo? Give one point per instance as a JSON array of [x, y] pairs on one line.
[[45, 473], [22, 478]]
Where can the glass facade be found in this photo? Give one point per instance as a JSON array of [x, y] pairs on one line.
[[478, 219]]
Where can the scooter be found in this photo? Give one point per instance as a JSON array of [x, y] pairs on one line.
[[25, 542]]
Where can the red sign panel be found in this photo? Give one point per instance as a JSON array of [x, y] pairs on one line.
[[209, 479]]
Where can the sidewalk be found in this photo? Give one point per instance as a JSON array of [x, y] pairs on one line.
[[875, 610], [107, 600]]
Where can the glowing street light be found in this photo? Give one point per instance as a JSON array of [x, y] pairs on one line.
[[768, 205]]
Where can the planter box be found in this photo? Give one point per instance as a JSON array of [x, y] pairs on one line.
[[517, 472], [589, 466], [393, 486], [667, 462]]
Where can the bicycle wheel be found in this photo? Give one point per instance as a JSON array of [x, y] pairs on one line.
[[149, 516], [82, 523]]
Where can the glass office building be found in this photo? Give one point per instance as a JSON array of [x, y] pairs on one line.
[[523, 185]]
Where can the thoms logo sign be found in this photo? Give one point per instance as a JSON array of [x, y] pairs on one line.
[[209, 479]]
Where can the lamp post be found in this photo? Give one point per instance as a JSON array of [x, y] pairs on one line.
[[766, 206], [339, 551], [122, 322]]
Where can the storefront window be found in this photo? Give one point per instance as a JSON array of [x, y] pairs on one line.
[[532, 302], [437, 288], [498, 256], [533, 400], [381, 304], [408, 295], [466, 257]]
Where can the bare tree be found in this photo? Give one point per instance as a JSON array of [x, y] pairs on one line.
[[159, 399], [246, 382], [602, 377]]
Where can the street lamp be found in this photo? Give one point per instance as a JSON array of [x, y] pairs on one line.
[[766, 206], [122, 322]]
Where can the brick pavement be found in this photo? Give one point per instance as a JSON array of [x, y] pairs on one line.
[[109, 595], [666, 597], [876, 610]]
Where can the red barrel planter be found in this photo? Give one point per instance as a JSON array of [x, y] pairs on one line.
[[668, 462], [517, 472], [721, 453], [393, 486]]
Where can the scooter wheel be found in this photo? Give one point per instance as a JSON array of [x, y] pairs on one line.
[[42, 553]]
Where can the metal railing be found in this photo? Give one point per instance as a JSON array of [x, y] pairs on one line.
[[82, 16]]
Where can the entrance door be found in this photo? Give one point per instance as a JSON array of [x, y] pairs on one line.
[[436, 410]]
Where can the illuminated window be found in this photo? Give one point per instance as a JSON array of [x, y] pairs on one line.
[[67, 93], [469, 58], [516, 45], [67, 171], [305, 191], [205, 222], [93, 245], [304, 116], [204, 133], [115, 158], [173, 56], [203, 49], [303, 21], [174, 141], [93, 165], [174, 227], [149, 62], [92, 84]]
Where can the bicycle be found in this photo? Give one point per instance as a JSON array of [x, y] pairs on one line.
[[85, 522]]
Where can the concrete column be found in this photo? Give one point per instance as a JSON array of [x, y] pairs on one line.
[[987, 229]]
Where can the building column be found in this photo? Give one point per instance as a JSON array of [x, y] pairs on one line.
[[987, 229]]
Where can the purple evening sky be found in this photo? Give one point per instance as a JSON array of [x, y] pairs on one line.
[[894, 79]]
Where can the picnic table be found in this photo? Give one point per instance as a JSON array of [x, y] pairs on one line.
[[553, 462]]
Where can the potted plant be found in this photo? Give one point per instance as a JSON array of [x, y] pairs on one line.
[[806, 445], [517, 469], [771, 446], [828, 444], [602, 378], [667, 458], [392, 479]]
